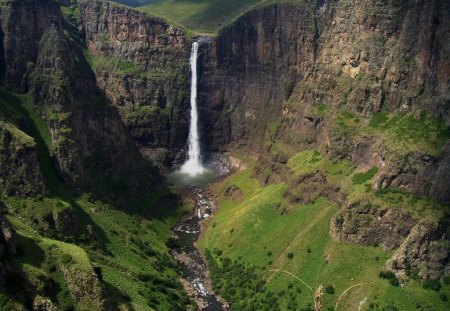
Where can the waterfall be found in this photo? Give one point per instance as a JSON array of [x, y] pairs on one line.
[[193, 166]]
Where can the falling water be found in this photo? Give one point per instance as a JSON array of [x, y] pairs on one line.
[[193, 166]]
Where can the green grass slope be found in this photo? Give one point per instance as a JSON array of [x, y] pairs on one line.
[[120, 254], [266, 254], [203, 16]]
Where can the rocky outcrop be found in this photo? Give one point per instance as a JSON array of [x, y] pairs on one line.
[[20, 173], [8, 243], [22, 25], [85, 288], [44, 58], [364, 224], [426, 250], [374, 57], [141, 63], [422, 246]]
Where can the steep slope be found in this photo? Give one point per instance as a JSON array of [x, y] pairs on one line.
[[141, 63], [342, 103], [42, 58], [69, 169]]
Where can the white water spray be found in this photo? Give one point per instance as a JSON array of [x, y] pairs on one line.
[[193, 166]]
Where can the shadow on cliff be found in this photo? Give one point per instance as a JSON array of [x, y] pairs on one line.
[[22, 118]]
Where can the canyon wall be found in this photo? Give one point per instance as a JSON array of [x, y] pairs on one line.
[[141, 63], [248, 71], [43, 57]]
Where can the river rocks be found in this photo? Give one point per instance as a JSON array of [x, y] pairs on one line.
[[364, 224], [195, 276]]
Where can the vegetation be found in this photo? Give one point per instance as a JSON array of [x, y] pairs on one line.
[[66, 238], [200, 16], [302, 253]]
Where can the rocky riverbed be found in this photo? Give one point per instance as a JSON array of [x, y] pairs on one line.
[[194, 271]]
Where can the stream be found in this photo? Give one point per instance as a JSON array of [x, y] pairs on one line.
[[194, 271]]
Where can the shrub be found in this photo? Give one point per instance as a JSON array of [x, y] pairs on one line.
[[443, 297], [389, 275], [394, 281], [386, 274], [290, 255], [269, 253], [361, 178], [308, 250], [432, 284], [329, 289]]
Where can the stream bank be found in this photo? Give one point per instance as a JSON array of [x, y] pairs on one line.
[[194, 271], [197, 190]]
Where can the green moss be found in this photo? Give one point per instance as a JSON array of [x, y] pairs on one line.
[[361, 178], [321, 110], [410, 131], [22, 140]]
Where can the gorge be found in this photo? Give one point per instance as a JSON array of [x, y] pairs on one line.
[[327, 120]]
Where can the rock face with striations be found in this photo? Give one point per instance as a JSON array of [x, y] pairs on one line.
[[248, 72], [141, 63], [44, 59]]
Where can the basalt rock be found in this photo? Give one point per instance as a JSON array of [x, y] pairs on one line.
[[141, 63], [44, 58], [364, 224], [426, 250], [249, 70]]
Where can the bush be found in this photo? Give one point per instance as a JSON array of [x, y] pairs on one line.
[[269, 253], [308, 250], [386, 275], [443, 297], [394, 281], [447, 280], [290, 255], [432, 284], [329, 289], [389, 275]]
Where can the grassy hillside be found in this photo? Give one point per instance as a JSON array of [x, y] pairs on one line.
[[266, 252], [199, 15], [86, 248]]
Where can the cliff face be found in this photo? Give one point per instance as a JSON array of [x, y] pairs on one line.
[[43, 58], [322, 76], [363, 81], [249, 70], [19, 168], [373, 58], [141, 63]]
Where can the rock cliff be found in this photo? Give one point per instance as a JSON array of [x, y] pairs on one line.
[[44, 57], [19, 168], [141, 63]]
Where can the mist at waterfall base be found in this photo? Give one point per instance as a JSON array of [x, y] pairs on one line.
[[193, 172]]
